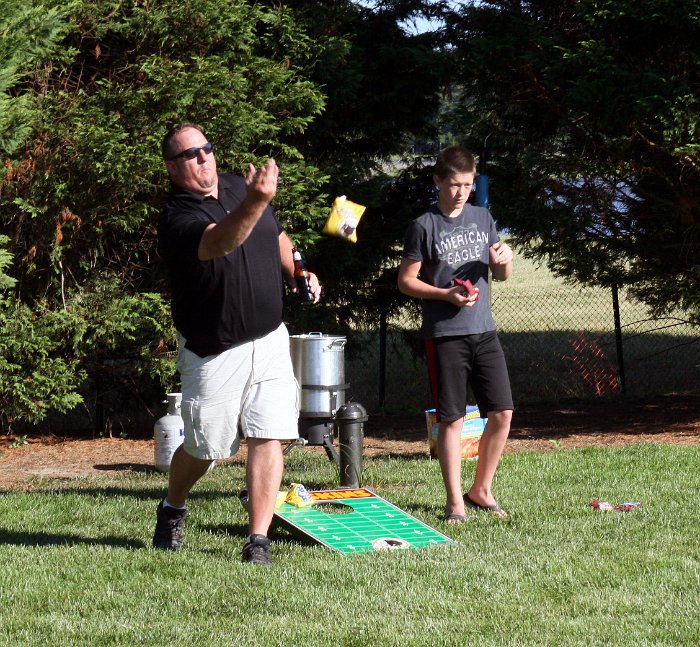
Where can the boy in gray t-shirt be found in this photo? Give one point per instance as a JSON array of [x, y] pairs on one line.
[[455, 240]]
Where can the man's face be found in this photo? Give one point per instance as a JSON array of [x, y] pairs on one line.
[[454, 191], [197, 174]]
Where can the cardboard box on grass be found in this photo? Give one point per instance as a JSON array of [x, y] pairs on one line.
[[472, 430]]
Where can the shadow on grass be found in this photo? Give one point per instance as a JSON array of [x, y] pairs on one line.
[[154, 495], [9, 537], [279, 532], [130, 467]]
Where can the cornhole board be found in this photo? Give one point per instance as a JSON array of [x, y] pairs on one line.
[[371, 523]]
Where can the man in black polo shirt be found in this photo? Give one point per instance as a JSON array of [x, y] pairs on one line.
[[227, 258]]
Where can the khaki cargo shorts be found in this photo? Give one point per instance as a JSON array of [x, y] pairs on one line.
[[251, 385]]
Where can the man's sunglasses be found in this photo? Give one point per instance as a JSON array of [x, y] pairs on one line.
[[191, 153]]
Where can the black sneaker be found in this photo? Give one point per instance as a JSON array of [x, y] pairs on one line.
[[169, 523], [257, 551]]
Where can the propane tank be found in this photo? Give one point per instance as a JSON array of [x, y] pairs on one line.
[[169, 432]]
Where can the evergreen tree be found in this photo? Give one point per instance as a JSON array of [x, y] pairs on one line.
[[82, 189], [329, 89], [591, 112]]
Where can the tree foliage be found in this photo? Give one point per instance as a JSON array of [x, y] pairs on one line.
[[31, 36], [591, 110], [83, 187], [383, 88], [36, 375], [90, 87]]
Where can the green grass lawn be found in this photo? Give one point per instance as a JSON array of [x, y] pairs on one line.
[[76, 567]]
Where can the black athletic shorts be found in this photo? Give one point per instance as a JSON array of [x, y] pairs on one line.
[[454, 363]]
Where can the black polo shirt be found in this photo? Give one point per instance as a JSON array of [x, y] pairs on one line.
[[225, 301]]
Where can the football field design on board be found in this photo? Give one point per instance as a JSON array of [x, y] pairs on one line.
[[357, 521]]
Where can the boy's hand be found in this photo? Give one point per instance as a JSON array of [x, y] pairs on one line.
[[459, 297], [467, 285], [501, 261], [500, 254]]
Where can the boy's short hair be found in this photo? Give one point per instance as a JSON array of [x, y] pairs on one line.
[[452, 160]]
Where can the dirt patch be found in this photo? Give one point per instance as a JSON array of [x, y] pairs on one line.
[[668, 419]]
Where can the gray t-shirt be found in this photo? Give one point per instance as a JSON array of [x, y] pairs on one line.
[[449, 248]]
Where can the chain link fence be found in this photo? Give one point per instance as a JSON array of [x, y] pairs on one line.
[[560, 342]]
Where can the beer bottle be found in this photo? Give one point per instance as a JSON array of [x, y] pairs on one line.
[[301, 276]]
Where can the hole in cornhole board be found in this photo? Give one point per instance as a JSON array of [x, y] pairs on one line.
[[329, 507]]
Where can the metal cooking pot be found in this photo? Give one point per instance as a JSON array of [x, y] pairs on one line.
[[319, 366]]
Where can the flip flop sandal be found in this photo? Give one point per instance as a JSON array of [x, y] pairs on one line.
[[494, 509], [454, 518]]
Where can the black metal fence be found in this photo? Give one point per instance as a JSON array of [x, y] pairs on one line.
[[560, 342]]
